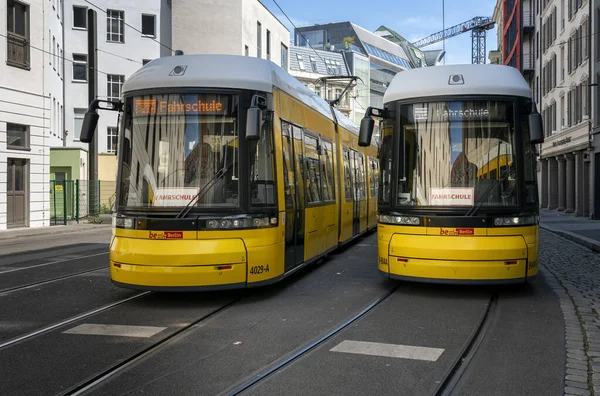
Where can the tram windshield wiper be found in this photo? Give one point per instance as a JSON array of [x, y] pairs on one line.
[[184, 212], [487, 192]]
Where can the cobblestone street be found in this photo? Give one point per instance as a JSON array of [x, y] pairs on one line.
[[573, 271]]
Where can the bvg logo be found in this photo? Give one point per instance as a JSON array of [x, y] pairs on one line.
[[166, 235], [457, 231]]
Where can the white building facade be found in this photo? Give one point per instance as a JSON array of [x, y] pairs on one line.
[[129, 35], [31, 103], [563, 58], [235, 27]]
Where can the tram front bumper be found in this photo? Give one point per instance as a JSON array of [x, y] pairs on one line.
[[178, 264], [457, 258]]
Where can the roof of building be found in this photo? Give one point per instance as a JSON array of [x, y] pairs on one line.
[[382, 48], [227, 71], [325, 62], [433, 56], [479, 79]]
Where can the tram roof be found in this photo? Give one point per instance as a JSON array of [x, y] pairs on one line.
[[479, 79], [228, 71]]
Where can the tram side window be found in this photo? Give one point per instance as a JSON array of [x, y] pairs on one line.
[[327, 178], [360, 176], [374, 177], [347, 176], [287, 163], [313, 172], [262, 179], [386, 160], [530, 164]]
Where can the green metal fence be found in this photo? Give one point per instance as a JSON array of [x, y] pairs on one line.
[[73, 200]]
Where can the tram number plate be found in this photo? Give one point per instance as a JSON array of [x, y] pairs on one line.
[[259, 269], [383, 260]]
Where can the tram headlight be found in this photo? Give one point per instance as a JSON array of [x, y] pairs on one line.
[[241, 222], [400, 220], [123, 222], [515, 221]]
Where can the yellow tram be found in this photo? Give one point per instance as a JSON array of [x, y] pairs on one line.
[[458, 198], [231, 174]]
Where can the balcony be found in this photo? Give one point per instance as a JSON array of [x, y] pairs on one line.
[[17, 48], [528, 22], [528, 64]]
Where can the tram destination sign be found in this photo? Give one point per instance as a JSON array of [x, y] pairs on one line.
[[460, 111], [182, 105]]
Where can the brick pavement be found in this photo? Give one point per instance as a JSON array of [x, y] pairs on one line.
[[573, 271]]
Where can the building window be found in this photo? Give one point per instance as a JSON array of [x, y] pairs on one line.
[[114, 86], [17, 39], [78, 115], [562, 112], [115, 26], [149, 25], [17, 136], [313, 63], [268, 45], [54, 51], [258, 40], [111, 140], [284, 52], [584, 100], [300, 62], [79, 17], [79, 67], [585, 39]]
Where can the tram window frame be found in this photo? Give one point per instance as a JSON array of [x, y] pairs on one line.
[[267, 130], [374, 177], [360, 173], [327, 165], [311, 155], [347, 174]]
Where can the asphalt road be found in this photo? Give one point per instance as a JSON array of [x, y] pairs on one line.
[[210, 343]]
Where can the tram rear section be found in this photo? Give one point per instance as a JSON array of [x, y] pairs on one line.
[[458, 254]]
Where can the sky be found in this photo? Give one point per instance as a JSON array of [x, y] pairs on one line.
[[413, 19]]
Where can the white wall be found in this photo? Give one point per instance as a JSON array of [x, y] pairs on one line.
[[254, 11], [219, 27], [207, 26], [113, 58], [23, 102]]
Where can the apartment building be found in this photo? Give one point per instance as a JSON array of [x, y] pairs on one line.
[[31, 105]]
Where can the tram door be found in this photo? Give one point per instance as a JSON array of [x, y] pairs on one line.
[[294, 208], [354, 163]]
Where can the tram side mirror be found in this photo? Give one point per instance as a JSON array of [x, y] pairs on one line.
[[253, 121], [367, 124], [90, 121], [536, 128]]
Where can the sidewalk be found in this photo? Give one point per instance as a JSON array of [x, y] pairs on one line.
[[53, 230], [578, 229]]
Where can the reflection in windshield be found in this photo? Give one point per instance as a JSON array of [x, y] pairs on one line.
[[454, 154], [174, 145]]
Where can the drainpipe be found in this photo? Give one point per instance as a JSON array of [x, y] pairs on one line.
[[64, 78]]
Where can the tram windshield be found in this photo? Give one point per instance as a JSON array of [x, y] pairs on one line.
[[454, 154], [175, 146]]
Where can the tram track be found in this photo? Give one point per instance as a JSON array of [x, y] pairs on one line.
[[265, 373], [65, 322], [451, 380], [99, 378], [46, 281]]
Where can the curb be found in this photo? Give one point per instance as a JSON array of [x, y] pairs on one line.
[[52, 230], [584, 241]]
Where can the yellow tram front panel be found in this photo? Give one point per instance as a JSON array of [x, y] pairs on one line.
[[195, 258], [450, 254]]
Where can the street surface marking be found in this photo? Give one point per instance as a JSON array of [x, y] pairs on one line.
[[115, 330], [52, 262], [388, 350]]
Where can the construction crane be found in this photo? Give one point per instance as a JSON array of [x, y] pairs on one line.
[[478, 27]]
